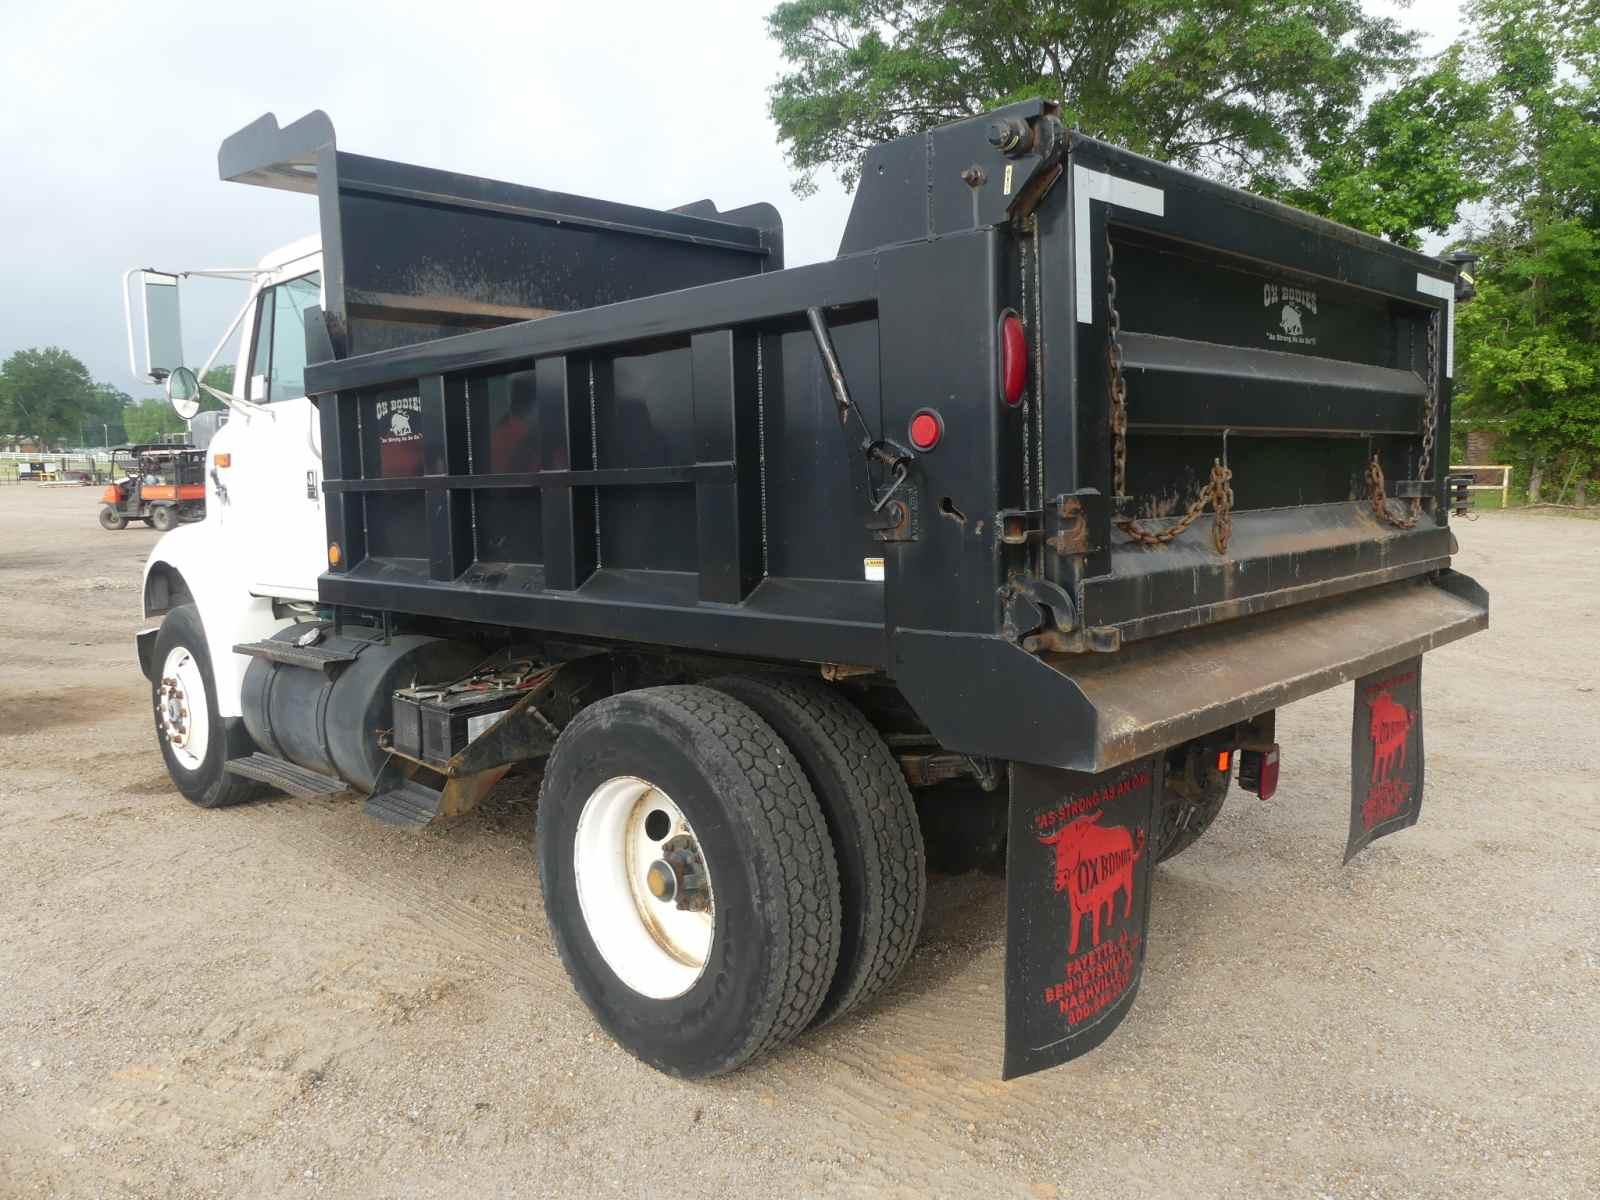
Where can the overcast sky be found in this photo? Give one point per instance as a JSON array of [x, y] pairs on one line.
[[110, 117]]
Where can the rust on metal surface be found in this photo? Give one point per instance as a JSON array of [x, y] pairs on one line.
[[463, 793], [834, 672], [926, 770], [1073, 536], [1159, 693]]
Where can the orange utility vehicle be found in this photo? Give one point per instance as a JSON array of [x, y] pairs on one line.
[[158, 483]]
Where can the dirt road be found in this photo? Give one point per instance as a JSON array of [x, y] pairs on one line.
[[287, 999]]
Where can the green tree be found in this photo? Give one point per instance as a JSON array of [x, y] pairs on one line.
[[103, 419], [1241, 89], [148, 420], [1417, 155], [220, 378], [45, 393], [1530, 343]]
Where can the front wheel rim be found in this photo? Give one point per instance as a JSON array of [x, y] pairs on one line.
[[643, 887], [181, 708]]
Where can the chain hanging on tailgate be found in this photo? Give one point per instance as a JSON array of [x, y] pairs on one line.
[[1430, 417], [1218, 491]]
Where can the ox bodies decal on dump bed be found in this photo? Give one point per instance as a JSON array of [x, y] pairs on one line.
[[1077, 900], [1385, 754]]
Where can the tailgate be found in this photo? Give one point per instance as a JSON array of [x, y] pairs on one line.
[[1292, 350]]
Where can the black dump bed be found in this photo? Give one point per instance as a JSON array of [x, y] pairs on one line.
[[663, 455]]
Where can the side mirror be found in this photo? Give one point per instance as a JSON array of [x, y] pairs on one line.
[[183, 392], [163, 325]]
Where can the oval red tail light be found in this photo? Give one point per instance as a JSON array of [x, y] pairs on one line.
[[926, 429], [1013, 358]]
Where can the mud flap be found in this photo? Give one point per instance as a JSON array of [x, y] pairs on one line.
[[1385, 754], [1078, 865]]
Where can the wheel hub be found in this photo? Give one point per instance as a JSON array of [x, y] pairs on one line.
[[690, 886], [180, 706], [643, 887], [174, 711]]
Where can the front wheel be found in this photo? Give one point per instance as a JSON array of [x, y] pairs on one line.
[[164, 518], [193, 737], [111, 519], [688, 878]]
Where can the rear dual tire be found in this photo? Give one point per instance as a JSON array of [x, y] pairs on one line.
[[752, 823], [871, 818], [769, 800]]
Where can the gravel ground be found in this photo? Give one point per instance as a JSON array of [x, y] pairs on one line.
[[286, 999]]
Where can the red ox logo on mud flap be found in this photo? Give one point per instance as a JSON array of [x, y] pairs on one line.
[[1390, 726], [1093, 864], [1385, 754]]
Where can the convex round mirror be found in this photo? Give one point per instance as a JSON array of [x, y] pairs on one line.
[[183, 392]]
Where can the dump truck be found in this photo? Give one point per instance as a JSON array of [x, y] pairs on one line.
[[1048, 491]]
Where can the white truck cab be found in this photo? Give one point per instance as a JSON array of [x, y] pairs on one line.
[[256, 555]]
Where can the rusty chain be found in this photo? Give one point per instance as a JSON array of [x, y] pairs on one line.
[[1218, 491], [1430, 419]]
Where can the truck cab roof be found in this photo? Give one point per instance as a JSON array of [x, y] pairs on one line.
[[306, 247]]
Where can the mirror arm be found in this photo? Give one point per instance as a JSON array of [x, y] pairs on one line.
[[229, 400]]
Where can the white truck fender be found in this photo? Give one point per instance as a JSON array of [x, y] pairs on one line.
[[229, 614]]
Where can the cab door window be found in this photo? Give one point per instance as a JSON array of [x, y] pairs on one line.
[[278, 355]]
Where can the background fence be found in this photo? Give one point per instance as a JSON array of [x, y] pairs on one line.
[[91, 467], [1492, 477]]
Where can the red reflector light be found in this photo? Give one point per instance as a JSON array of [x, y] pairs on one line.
[[1258, 771], [927, 429], [1013, 359]]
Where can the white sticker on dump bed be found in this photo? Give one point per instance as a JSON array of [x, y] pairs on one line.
[[1445, 289], [872, 569], [1090, 185]]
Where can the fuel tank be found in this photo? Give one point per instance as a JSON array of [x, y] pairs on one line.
[[325, 712]]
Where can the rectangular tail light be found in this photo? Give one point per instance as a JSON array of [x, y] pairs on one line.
[[1258, 771]]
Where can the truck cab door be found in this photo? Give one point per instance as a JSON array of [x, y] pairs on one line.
[[275, 517]]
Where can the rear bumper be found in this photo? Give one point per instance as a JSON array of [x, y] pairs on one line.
[[1093, 712]]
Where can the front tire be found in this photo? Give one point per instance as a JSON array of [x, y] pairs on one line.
[[722, 945], [111, 519], [192, 736]]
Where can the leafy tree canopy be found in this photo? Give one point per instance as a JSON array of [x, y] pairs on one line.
[[45, 394], [1530, 344], [1241, 89], [148, 420]]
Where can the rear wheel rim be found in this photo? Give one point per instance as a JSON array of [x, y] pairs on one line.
[[643, 887], [181, 708]]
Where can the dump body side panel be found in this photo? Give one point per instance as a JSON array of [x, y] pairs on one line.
[[666, 470]]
